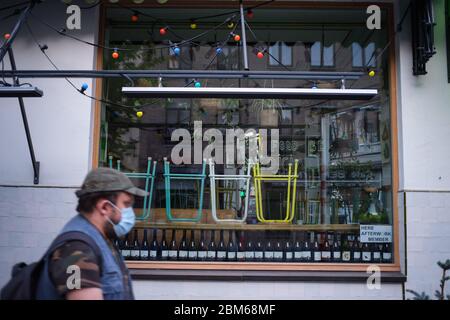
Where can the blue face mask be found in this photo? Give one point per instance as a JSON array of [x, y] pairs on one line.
[[126, 222]]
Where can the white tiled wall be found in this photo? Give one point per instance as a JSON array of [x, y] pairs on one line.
[[202, 290], [428, 239], [29, 220]]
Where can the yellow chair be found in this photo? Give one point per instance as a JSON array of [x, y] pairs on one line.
[[290, 178]]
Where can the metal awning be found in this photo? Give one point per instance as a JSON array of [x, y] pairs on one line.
[[249, 93], [20, 92]]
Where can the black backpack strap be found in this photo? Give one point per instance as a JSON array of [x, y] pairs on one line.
[[75, 236]]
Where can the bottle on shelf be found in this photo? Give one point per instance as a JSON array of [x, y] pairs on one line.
[[144, 250], [366, 253], [240, 254], [232, 247], [183, 248], [164, 249], [173, 250], [326, 250], [249, 250], [387, 253], [193, 250], [221, 248], [346, 250], [278, 254], [202, 249], [134, 251], [259, 250], [269, 251], [317, 253], [336, 250], [154, 250], [126, 253], [306, 255], [298, 252], [211, 255], [288, 251], [356, 250], [376, 252]]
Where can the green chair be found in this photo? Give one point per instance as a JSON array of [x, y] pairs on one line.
[[168, 176], [149, 177]]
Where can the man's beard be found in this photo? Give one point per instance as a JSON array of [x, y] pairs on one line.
[[109, 230]]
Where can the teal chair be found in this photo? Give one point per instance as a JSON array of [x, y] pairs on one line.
[[149, 177], [168, 176]]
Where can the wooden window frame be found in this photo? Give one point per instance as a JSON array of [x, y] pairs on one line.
[[263, 266]]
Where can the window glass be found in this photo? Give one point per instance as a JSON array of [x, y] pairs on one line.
[[321, 210], [357, 55]]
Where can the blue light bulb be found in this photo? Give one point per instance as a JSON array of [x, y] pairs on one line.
[[177, 51], [219, 50], [84, 87], [197, 84]]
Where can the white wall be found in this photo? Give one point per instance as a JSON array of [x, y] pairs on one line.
[[424, 128], [424, 112], [30, 219], [60, 122], [261, 290], [428, 239]]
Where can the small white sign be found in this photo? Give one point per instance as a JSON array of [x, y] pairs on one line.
[[375, 233]]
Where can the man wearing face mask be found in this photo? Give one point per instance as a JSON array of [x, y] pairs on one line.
[[105, 212]]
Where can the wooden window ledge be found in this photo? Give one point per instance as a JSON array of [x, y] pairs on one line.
[[258, 275]]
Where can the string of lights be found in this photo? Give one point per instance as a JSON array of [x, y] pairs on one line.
[[174, 46], [84, 86], [194, 20]]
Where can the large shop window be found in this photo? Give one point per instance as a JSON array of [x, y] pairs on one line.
[[294, 182]]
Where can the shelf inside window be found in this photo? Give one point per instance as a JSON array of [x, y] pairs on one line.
[[250, 227]]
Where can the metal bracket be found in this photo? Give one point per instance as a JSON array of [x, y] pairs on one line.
[[36, 164]]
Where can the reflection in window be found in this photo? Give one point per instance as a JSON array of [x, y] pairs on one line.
[[357, 56], [316, 54], [228, 59], [322, 55], [367, 55], [342, 147], [281, 52], [181, 61], [174, 63]]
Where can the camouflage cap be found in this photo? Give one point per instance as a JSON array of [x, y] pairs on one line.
[[105, 180]]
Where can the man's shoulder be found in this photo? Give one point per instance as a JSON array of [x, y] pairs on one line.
[[74, 252], [63, 260]]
